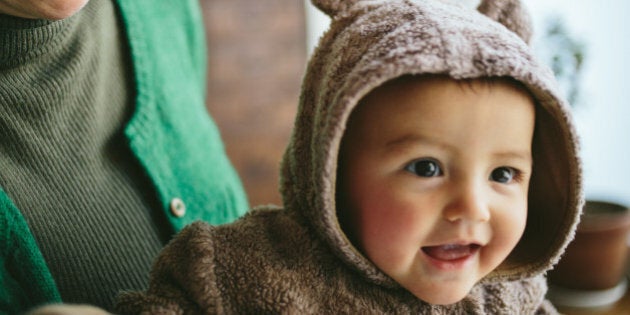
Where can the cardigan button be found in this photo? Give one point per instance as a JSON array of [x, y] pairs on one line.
[[178, 208]]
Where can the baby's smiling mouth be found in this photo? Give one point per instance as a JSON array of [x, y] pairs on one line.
[[451, 252]]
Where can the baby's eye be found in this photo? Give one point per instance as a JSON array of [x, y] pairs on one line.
[[504, 174], [424, 168]]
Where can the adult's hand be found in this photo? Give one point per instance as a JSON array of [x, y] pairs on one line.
[[67, 309]]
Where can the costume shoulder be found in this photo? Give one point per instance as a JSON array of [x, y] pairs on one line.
[[268, 261], [181, 275], [245, 266]]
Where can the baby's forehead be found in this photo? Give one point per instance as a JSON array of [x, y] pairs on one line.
[[400, 87], [417, 98]]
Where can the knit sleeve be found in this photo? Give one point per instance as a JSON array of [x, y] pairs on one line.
[[182, 280]]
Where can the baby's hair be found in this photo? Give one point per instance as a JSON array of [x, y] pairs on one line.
[[487, 81]]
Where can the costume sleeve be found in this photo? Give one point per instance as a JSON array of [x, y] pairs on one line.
[[182, 279]]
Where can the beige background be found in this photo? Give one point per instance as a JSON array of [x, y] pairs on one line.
[[257, 55]]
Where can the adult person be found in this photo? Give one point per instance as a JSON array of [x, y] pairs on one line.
[[106, 148]]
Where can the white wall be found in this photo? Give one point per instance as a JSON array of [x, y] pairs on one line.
[[316, 23], [603, 115]]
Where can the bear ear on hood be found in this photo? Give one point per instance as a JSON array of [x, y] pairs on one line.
[[511, 13], [333, 8]]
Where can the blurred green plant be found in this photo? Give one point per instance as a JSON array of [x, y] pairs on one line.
[[566, 55]]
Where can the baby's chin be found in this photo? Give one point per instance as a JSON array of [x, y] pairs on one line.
[[442, 294], [443, 299]]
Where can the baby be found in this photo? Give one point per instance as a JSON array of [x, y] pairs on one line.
[[432, 169], [434, 175]]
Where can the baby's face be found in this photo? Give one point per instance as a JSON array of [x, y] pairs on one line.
[[434, 179], [38, 9]]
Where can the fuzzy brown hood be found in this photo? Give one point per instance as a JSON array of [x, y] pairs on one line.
[[373, 41]]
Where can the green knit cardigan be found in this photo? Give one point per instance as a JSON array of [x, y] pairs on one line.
[[169, 59]]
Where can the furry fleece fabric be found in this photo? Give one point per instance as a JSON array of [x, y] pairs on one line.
[[296, 259]]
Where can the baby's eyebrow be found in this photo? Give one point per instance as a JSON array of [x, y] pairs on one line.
[[404, 140], [525, 155], [414, 139], [407, 142]]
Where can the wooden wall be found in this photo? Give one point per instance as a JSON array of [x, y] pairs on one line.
[[257, 56]]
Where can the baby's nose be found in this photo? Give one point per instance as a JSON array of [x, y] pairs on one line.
[[468, 203]]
